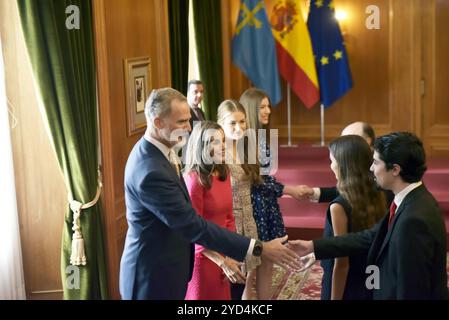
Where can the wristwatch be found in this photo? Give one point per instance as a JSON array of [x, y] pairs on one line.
[[258, 248]]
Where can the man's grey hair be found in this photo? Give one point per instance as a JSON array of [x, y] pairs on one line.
[[159, 102]]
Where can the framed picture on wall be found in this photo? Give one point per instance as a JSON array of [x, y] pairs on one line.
[[138, 86]]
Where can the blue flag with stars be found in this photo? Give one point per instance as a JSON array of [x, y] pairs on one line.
[[254, 49], [334, 75]]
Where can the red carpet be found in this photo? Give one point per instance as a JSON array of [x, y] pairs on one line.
[[310, 165]]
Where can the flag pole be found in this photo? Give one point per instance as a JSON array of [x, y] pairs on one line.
[[322, 125], [289, 114], [289, 117]]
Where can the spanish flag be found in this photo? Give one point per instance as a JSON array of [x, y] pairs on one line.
[[294, 51]]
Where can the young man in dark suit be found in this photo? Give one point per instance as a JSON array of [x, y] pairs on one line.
[[157, 260], [408, 246], [195, 93]]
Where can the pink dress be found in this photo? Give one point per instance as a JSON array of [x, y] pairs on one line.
[[208, 280]]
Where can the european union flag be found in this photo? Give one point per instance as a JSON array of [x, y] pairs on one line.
[[254, 50], [332, 63]]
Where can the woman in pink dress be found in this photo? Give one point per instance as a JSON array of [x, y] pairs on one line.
[[209, 184]]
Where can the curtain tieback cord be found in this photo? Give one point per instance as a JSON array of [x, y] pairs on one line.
[[78, 256]]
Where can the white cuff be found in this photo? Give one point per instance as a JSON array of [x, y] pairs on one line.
[[316, 195], [249, 253]]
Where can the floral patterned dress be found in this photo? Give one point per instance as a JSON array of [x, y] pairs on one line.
[[243, 210], [264, 198]]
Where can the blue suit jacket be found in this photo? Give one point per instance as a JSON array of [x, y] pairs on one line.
[[157, 259]]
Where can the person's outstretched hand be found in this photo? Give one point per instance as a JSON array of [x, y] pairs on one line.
[[304, 192], [301, 247], [307, 261], [278, 253], [301, 192]]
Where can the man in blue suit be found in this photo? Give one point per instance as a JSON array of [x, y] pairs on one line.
[[157, 260]]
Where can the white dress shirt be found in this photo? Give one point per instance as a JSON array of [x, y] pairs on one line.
[[316, 195], [401, 195]]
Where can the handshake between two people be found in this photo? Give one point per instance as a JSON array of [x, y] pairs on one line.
[[300, 192], [296, 255]]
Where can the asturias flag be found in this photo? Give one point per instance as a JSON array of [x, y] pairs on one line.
[[332, 62], [294, 50], [253, 49]]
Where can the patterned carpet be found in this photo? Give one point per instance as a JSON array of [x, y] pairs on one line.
[[303, 285]]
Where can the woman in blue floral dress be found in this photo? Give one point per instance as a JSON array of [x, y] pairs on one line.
[[264, 196]]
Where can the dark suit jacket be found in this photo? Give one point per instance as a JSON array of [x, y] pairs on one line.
[[162, 227], [193, 117], [411, 255], [329, 194]]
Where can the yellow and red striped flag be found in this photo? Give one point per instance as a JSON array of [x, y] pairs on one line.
[[294, 51]]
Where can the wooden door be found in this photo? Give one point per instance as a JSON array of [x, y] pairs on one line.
[[435, 77]]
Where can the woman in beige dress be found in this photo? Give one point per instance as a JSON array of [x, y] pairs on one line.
[[232, 117]]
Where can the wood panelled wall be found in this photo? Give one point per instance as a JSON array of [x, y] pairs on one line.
[[435, 71], [390, 67], [123, 29]]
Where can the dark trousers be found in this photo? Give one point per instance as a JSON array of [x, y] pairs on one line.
[[237, 291]]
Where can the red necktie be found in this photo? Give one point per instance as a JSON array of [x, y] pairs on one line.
[[392, 211]]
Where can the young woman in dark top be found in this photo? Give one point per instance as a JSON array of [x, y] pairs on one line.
[[359, 206]]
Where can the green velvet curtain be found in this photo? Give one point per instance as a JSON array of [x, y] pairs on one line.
[[64, 68], [207, 20], [178, 12]]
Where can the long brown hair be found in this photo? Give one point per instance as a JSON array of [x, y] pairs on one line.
[[251, 100], [198, 150], [356, 183], [231, 106]]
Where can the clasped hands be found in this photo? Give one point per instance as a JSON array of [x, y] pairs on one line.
[[296, 255], [304, 249], [231, 269], [300, 192]]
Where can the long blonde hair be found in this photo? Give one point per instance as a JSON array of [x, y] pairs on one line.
[[224, 109]]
